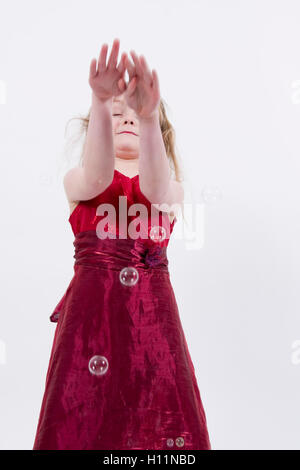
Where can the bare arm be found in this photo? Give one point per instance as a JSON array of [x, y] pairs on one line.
[[97, 172], [154, 169], [143, 95], [98, 159]]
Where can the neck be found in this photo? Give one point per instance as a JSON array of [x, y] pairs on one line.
[[131, 165]]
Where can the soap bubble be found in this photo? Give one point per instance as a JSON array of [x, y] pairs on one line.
[[211, 194], [170, 442], [179, 441], [98, 365], [157, 233], [129, 276]]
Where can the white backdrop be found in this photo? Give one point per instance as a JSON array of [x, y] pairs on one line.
[[230, 73]]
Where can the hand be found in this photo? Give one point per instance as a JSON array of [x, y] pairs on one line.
[[107, 82], [142, 93]]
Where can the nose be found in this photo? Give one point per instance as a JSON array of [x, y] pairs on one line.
[[131, 121]]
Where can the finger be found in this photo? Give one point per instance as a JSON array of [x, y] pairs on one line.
[[112, 62], [136, 61], [102, 58], [130, 68], [93, 68], [155, 85], [122, 64], [131, 86], [146, 71]]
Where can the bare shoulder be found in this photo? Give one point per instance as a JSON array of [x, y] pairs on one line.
[[73, 205]]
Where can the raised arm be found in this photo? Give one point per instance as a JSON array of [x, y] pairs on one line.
[[143, 95], [83, 183]]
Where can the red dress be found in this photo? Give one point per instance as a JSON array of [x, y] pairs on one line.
[[120, 375]]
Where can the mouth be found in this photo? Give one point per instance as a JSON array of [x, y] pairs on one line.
[[127, 132]]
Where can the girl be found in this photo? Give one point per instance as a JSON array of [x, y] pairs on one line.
[[120, 375]]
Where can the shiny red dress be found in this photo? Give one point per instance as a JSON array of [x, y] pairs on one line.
[[142, 393]]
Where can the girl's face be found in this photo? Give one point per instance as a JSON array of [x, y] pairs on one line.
[[125, 119]]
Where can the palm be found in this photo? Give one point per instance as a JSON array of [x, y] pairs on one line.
[[108, 80], [142, 93], [139, 99]]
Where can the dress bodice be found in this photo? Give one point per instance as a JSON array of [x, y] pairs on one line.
[[119, 200]]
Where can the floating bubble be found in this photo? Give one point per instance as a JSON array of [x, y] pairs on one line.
[[179, 441], [211, 194], [129, 276], [157, 233], [170, 442], [98, 365]]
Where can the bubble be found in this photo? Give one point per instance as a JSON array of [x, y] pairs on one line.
[[98, 365], [170, 442], [211, 194], [129, 276], [179, 441], [157, 233]]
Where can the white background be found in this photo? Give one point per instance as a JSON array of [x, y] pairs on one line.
[[227, 71]]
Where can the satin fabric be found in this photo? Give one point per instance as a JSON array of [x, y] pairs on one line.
[[148, 398]]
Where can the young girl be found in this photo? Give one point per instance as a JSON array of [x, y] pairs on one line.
[[120, 375]]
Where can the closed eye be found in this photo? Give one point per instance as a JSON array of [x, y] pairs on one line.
[[121, 115]]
